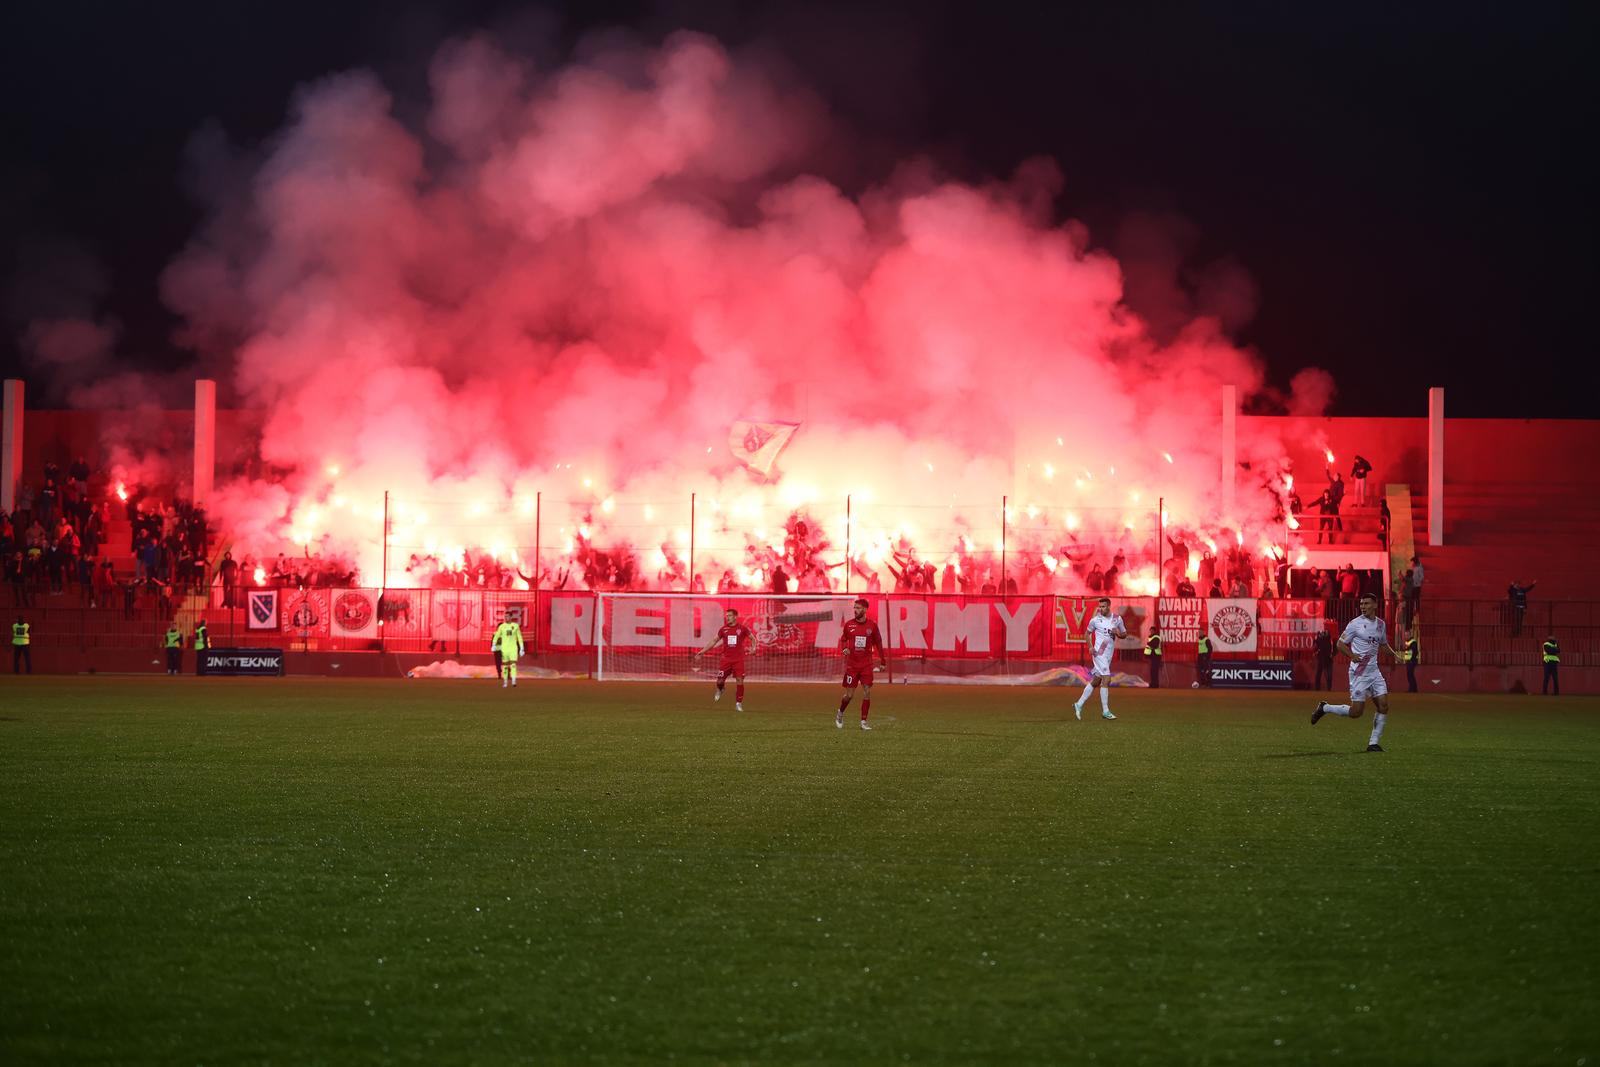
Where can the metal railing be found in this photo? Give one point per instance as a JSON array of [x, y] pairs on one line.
[[1457, 633]]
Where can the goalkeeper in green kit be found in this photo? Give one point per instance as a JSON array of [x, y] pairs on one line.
[[507, 644]]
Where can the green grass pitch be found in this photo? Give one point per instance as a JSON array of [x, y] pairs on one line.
[[304, 871]]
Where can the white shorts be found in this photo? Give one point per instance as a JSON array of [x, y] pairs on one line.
[[1368, 684], [1102, 666]]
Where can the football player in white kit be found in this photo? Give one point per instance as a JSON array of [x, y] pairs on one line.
[[1104, 629], [1362, 640]]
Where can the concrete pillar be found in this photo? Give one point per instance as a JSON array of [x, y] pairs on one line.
[[1230, 449], [11, 446], [205, 438], [1436, 465]]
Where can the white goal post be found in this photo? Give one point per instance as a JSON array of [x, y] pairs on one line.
[[654, 636]]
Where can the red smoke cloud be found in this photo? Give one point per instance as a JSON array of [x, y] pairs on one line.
[[573, 281]]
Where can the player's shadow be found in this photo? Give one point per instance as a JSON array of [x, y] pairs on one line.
[[1300, 755]]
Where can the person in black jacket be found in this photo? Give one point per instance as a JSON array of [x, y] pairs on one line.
[[1322, 647]]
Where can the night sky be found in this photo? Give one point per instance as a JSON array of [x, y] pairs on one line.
[[1410, 187]]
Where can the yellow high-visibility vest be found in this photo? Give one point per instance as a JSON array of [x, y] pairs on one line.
[[19, 633], [1152, 647], [174, 639], [1552, 652]]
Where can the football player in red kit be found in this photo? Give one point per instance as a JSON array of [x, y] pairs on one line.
[[734, 639], [857, 640]]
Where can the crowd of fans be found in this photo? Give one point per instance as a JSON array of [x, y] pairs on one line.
[[54, 542]]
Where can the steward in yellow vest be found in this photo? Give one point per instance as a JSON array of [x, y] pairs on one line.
[[1152, 648], [21, 636], [1552, 664], [174, 644]]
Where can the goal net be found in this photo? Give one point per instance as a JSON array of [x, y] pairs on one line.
[[653, 636]]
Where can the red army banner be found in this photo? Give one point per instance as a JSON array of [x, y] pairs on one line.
[[935, 626]]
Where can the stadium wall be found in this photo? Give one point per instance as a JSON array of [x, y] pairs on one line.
[[1175, 675]]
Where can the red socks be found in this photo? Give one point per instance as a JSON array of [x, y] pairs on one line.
[[866, 702], [738, 692], [845, 703]]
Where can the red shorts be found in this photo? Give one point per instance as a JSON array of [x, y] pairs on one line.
[[731, 668], [857, 674]]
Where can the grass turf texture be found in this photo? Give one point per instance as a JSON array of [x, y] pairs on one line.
[[340, 872]]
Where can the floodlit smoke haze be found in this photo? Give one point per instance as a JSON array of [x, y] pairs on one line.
[[573, 281]]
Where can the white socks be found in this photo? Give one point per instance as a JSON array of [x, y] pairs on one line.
[[1105, 698], [1084, 699], [1378, 721], [1337, 709]]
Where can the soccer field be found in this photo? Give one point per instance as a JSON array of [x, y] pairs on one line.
[[312, 871]]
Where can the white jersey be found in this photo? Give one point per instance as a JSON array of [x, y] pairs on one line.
[[1103, 633], [1364, 637]]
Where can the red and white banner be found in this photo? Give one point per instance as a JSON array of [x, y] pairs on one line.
[[941, 627], [1231, 624], [1183, 619], [457, 615], [1073, 613], [304, 612], [354, 613], [1290, 625]]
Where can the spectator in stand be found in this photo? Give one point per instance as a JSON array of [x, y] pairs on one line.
[[1336, 499], [1385, 519], [1208, 567], [1414, 588], [17, 575], [1096, 579], [228, 571], [1215, 592], [780, 580], [1011, 585], [105, 583], [1517, 601], [1324, 592], [1358, 474], [947, 580], [79, 471], [1349, 583], [727, 583], [1185, 586], [1112, 573], [1180, 552], [1324, 517]]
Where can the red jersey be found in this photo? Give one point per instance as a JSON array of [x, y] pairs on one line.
[[857, 641], [734, 640]]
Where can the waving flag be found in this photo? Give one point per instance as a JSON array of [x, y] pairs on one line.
[[757, 444]]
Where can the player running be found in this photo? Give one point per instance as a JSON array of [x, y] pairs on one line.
[[857, 640], [734, 638], [1104, 629], [508, 647], [1362, 640]]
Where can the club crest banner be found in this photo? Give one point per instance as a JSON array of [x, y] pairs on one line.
[[355, 613], [1231, 624], [261, 609], [305, 611], [457, 615]]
